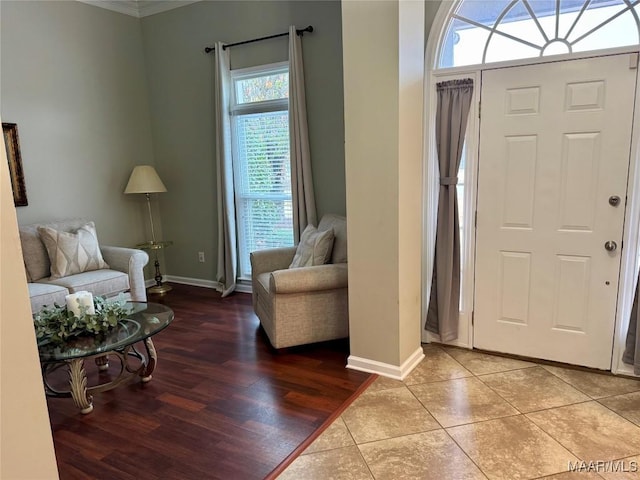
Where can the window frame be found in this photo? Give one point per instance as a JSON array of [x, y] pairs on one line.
[[237, 110], [629, 7]]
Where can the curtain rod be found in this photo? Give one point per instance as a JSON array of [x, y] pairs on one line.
[[228, 45]]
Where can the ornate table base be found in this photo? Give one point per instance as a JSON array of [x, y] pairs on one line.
[[78, 390]]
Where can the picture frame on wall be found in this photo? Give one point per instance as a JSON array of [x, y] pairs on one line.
[[12, 145]]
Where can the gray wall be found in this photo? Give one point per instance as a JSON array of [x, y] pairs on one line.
[[96, 92], [73, 79], [181, 97]]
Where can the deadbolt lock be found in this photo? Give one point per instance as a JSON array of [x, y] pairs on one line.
[[614, 200]]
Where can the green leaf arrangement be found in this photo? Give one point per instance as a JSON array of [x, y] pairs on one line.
[[58, 324]]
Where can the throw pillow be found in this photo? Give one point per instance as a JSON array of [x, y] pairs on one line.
[[314, 248], [34, 253], [72, 252], [26, 270]]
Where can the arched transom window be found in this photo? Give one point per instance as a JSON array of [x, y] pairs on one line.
[[485, 31]]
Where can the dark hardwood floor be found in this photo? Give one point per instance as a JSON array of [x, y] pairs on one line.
[[222, 403]]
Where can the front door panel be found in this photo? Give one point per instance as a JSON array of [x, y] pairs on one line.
[[554, 147]]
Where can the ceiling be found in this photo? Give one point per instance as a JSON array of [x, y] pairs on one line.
[[139, 8]]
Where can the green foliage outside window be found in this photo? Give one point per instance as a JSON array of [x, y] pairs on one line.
[[259, 89]]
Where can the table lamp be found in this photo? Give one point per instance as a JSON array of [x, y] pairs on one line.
[[145, 179]]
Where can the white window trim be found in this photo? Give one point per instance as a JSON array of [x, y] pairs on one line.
[[249, 72], [278, 105], [447, 11], [254, 71], [630, 262], [267, 106]]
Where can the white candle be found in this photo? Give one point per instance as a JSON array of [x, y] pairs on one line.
[[80, 299], [85, 299], [72, 304]]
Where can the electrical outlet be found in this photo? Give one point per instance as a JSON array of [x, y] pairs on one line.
[[201, 257]]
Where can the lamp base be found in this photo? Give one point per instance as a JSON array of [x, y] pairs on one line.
[[159, 289]]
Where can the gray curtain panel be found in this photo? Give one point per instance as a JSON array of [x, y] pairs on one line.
[[227, 244], [304, 203], [454, 101], [631, 353]]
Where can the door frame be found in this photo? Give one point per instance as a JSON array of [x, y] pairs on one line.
[[630, 263]]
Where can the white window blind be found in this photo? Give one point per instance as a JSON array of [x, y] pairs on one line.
[[262, 171]]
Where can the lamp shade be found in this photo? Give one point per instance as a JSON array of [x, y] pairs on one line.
[[145, 179]]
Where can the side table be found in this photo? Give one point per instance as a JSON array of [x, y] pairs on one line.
[[159, 287]]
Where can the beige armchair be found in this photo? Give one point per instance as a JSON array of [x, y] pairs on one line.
[[302, 305]]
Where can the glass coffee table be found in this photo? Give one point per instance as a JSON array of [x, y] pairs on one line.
[[144, 321]]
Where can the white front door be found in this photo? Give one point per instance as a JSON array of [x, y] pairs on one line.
[[554, 155]]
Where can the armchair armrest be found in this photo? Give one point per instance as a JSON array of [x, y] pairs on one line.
[[130, 261], [309, 279], [271, 259]]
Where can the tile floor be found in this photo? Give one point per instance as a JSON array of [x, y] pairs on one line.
[[466, 415]]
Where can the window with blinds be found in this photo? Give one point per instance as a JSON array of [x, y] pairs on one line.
[[262, 172]]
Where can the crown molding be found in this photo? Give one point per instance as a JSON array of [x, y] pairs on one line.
[[151, 7], [139, 8], [128, 7]]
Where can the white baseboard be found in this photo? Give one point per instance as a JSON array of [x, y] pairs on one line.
[[241, 287], [386, 369], [196, 282]]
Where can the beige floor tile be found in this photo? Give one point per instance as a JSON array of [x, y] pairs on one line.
[[532, 389], [423, 456], [482, 363], [627, 405], [435, 367], [590, 431], [385, 414], [384, 383], [335, 436], [460, 401], [512, 448], [625, 469], [340, 464], [596, 385]]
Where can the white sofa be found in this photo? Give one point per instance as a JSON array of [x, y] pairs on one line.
[[125, 272]]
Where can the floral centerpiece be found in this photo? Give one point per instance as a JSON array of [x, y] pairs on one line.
[[83, 315]]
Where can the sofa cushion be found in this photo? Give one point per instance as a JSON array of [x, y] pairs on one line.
[[314, 248], [99, 282], [339, 226], [42, 294], [72, 252], [26, 271]]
